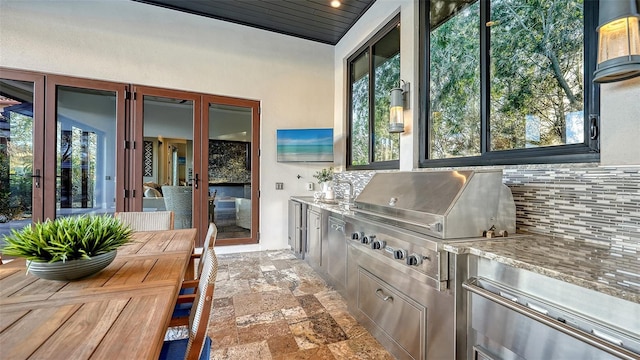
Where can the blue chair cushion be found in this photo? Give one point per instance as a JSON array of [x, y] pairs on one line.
[[183, 309], [187, 291], [176, 349]]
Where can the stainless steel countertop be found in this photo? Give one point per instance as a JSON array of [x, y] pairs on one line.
[[611, 270]]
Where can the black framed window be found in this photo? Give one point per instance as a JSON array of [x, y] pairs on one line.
[[508, 82], [373, 71]]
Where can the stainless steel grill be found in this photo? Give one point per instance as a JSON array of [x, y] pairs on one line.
[[445, 204], [395, 256]]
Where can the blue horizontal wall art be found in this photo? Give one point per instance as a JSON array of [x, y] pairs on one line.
[[305, 145]]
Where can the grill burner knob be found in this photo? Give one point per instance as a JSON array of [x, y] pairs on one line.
[[367, 240], [357, 235], [399, 254], [414, 260], [378, 244]]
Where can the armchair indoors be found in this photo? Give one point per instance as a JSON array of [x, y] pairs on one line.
[[179, 200], [152, 199], [243, 213]]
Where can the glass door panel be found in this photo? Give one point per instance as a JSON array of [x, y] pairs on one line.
[[85, 151], [168, 158], [16, 155], [232, 165]]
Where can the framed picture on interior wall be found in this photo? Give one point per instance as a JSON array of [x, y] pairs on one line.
[[302, 145], [147, 158], [229, 161]]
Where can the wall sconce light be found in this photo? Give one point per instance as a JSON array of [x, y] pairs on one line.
[[396, 107], [618, 41]]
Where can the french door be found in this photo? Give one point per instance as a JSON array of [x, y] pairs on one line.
[[84, 124], [166, 172], [21, 149], [58, 147], [196, 155], [231, 143], [71, 146]]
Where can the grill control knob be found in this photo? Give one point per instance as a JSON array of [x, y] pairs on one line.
[[400, 254], [367, 240], [378, 244], [414, 260], [357, 235]]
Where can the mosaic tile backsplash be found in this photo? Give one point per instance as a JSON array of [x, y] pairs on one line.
[[595, 204]]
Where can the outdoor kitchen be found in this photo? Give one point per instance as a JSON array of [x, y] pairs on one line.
[[449, 264]]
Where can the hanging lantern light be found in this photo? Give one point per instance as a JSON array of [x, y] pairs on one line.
[[396, 107], [618, 41]]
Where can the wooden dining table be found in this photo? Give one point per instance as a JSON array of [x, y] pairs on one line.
[[122, 312]]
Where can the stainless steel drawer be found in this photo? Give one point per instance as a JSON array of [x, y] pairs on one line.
[[401, 318], [510, 324]]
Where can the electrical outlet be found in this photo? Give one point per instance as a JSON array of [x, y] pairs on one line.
[[279, 186], [310, 186]]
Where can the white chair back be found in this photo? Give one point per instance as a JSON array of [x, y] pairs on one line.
[[203, 303], [146, 221]]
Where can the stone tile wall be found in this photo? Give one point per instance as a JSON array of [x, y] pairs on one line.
[[596, 204]]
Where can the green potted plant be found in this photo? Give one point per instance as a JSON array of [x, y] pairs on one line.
[[68, 248], [324, 177]]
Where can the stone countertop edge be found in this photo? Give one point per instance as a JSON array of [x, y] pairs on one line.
[[330, 206], [598, 267]]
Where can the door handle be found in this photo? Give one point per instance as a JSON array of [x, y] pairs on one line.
[[195, 181], [36, 178], [593, 127]]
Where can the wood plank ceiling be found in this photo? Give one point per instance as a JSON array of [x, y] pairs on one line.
[[313, 20]]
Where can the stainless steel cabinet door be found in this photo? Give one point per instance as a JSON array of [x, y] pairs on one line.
[[314, 234], [337, 249]]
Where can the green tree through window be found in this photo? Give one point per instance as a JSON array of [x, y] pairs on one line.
[[511, 80], [373, 72], [455, 85]]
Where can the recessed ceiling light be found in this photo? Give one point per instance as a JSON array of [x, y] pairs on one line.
[[335, 3]]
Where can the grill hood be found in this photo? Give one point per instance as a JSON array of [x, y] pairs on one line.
[[442, 204]]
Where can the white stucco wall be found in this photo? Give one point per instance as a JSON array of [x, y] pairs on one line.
[[620, 123], [126, 41]]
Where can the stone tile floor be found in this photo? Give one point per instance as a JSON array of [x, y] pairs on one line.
[[271, 305]]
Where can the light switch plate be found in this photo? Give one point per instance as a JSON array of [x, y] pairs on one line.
[[279, 186], [310, 186]]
